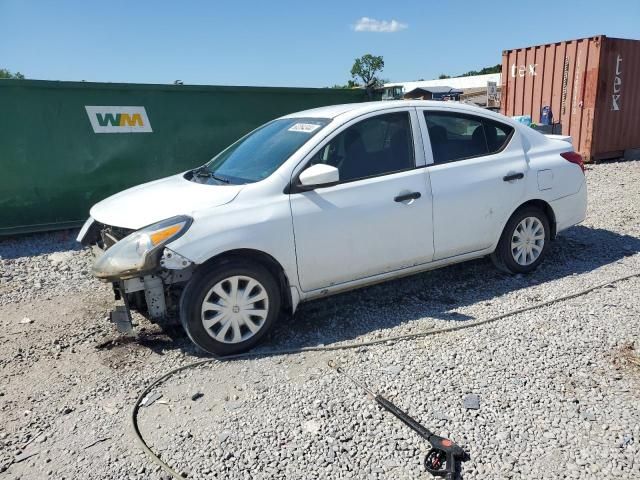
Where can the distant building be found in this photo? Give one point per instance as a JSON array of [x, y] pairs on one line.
[[434, 93], [471, 86]]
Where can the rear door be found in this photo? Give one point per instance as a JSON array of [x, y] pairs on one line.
[[378, 218], [477, 169]]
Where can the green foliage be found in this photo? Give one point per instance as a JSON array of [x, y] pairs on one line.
[[349, 84], [366, 68], [442, 75], [4, 73], [483, 71]]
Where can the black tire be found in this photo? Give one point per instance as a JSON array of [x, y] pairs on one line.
[[203, 281], [503, 257]]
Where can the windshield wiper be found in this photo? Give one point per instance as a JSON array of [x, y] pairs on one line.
[[205, 172], [219, 178]]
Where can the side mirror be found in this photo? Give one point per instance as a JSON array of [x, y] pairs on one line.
[[319, 175]]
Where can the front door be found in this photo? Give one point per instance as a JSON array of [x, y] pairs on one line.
[[378, 218]]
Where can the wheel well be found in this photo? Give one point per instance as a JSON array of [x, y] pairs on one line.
[[548, 211], [266, 261]]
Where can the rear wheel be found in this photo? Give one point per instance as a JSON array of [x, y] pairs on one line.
[[229, 307], [524, 241]]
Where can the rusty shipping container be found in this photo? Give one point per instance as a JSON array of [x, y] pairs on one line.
[[592, 86]]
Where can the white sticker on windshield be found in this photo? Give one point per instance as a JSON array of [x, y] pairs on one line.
[[304, 127]]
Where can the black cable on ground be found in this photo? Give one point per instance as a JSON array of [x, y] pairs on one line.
[[330, 348]]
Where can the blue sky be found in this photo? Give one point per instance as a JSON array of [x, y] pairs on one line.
[[285, 43]]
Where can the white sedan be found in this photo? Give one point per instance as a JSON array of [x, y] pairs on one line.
[[327, 200]]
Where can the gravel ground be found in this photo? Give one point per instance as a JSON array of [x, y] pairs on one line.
[[557, 386]]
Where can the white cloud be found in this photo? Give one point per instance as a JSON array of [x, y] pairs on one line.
[[366, 24]]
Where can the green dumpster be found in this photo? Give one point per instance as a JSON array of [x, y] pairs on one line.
[[67, 145]]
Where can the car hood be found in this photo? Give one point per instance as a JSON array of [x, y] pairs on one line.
[[151, 202]]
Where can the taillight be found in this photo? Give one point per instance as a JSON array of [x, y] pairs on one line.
[[573, 157]]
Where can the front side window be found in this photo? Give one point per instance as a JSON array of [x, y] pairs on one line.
[[259, 154], [456, 136], [375, 146]]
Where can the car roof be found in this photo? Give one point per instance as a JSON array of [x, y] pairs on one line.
[[348, 111], [333, 111]]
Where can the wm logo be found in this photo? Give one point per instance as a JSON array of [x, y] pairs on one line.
[[118, 119]]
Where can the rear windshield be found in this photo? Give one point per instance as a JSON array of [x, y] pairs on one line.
[[260, 153]]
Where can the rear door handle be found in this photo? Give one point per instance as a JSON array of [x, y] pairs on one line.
[[407, 196], [513, 176]]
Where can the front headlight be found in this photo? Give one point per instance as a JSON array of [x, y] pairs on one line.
[[140, 251]]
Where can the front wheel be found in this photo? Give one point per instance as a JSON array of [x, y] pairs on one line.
[[229, 307], [524, 241]]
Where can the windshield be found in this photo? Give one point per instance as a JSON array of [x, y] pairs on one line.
[[260, 153]]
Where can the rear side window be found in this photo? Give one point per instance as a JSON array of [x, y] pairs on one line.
[[456, 136]]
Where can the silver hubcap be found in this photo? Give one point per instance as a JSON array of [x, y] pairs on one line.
[[235, 309], [527, 241]]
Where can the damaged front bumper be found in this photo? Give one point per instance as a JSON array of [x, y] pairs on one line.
[[155, 296], [147, 280]]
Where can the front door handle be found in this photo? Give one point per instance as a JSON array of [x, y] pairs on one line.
[[513, 176], [407, 196]]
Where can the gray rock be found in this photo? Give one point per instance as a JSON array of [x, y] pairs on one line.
[[471, 401]]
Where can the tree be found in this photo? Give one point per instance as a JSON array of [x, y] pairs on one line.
[[4, 73], [365, 68], [443, 76]]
